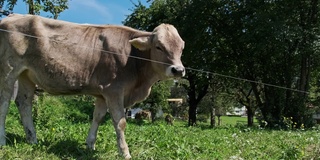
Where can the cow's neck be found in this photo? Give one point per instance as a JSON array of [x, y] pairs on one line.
[[146, 77]]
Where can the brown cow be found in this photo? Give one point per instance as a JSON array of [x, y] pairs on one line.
[[116, 64], [169, 119], [144, 114]]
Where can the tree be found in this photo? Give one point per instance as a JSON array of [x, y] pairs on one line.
[[246, 98], [176, 12], [271, 42], [271, 45], [217, 89], [55, 7]]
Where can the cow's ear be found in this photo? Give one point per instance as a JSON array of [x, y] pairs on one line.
[[141, 43]]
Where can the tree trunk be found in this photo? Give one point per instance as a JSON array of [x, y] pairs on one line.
[[194, 98], [153, 116], [219, 120], [250, 117], [192, 115], [212, 117], [31, 7], [55, 15], [153, 112], [304, 73]]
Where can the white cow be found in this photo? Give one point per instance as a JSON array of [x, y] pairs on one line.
[[116, 64]]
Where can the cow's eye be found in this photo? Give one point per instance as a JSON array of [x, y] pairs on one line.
[[159, 48]]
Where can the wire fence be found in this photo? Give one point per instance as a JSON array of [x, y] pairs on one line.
[[154, 61]]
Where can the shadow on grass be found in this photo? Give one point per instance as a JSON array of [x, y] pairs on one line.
[[12, 138], [67, 149]]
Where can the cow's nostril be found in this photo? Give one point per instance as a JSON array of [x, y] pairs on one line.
[[174, 70], [177, 70]]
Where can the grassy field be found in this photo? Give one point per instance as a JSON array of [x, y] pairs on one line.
[[62, 132], [234, 120]]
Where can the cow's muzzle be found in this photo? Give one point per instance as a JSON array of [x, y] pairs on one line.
[[176, 71]]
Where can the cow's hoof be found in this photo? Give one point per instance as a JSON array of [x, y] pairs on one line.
[[91, 146], [32, 140], [127, 157], [2, 140]]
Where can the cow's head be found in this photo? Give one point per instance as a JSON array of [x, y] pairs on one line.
[[165, 47]]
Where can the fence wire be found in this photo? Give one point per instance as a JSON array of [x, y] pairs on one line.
[[159, 62]]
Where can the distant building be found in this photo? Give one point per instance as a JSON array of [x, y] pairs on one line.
[[133, 111], [238, 111], [316, 114], [316, 117], [175, 100]]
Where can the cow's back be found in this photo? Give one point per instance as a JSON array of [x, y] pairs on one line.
[[63, 57]]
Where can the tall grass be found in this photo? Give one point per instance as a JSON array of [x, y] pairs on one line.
[[62, 132]]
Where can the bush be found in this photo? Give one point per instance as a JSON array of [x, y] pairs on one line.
[[49, 110], [79, 108], [202, 118]]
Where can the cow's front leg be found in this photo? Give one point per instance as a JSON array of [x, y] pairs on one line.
[[6, 90], [100, 111], [119, 121]]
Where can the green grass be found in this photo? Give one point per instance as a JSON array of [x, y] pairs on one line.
[[233, 120], [62, 133]]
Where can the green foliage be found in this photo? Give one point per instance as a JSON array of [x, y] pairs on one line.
[[73, 109], [178, 91], [203, 118], [176, 12], [138, 18], [80, 108], [274, 42], [160, 92], [55, 7], [59, 138], [157, 99]]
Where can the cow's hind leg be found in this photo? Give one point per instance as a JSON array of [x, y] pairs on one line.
[[24, 103], [100, 111]]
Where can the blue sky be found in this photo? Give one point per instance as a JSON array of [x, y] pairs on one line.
[[91, 11]]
